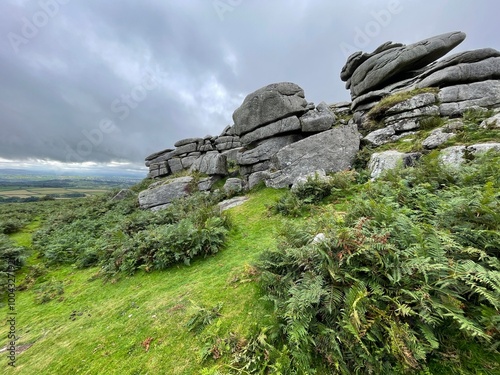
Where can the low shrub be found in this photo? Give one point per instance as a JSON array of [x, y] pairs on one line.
[[410, 271]]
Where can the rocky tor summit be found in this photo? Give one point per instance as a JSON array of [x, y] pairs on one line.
[[278, 137]]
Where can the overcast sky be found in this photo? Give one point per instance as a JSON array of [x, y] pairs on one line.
[[113, 81]]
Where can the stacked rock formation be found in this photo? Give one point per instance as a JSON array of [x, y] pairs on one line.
[[268, 120], [278, 137], [395, 67], [274, 118], [207, 155]]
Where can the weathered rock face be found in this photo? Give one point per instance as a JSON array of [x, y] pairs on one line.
[[267, 105], [454, 156], [278, 137], [266, 149], [211, 163], [286, 125], [318, 120], [383, 161], [165, 192], [333, 150], [378, 70], [457, 99]]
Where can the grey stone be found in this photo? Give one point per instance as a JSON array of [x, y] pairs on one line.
[[418, 101], [383, 161], [382, 67], [452, 156], [230, 203], [406, 125], [175, 165], [341, 109], [205, 184], [333, 150], [232, 155], [122, 194], [432, 110], [233, 185], [457, 99], [186, 141], [256, 178], [317, 121], [226, 139], [161, 158], [211, 163], [480, 148], [437, 138], [227, 146], [492, 122], [166, 192], [188, 161], [466, 57], [185, 149], [259, 167], [157, 154], [463, 73], [266, 149], [286, 125], [267, 105], [357, 58], [227, 131], [367, 101], [380, 136], [207, 146]]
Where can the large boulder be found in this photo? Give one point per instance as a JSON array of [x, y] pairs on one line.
[[454, 156], [358, 58], [381, 68], [332, 151], [457, 99], [165, 192], [387, 160], [269, 104], [318, 120], [211, 163]]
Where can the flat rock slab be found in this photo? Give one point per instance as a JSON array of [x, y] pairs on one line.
[[211, 163], [380, 68], [285, 125], [165, 192], [332, 151], [230, 203], [456, 99]]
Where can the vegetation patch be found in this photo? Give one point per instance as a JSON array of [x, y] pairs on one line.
[[408, 274], [389, 101]]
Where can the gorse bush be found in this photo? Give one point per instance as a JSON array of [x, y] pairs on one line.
[[120, 237], [410, 271]]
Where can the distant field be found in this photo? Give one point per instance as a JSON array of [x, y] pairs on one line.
[[40, 192]]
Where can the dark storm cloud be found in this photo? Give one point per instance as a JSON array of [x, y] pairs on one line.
[[117, 80]]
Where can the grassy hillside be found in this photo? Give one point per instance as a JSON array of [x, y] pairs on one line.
[[98, 327], [345, 275]]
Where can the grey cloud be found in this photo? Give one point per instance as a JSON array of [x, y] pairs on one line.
[[83, 66]]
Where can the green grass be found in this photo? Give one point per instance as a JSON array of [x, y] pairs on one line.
[[117, 317]]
